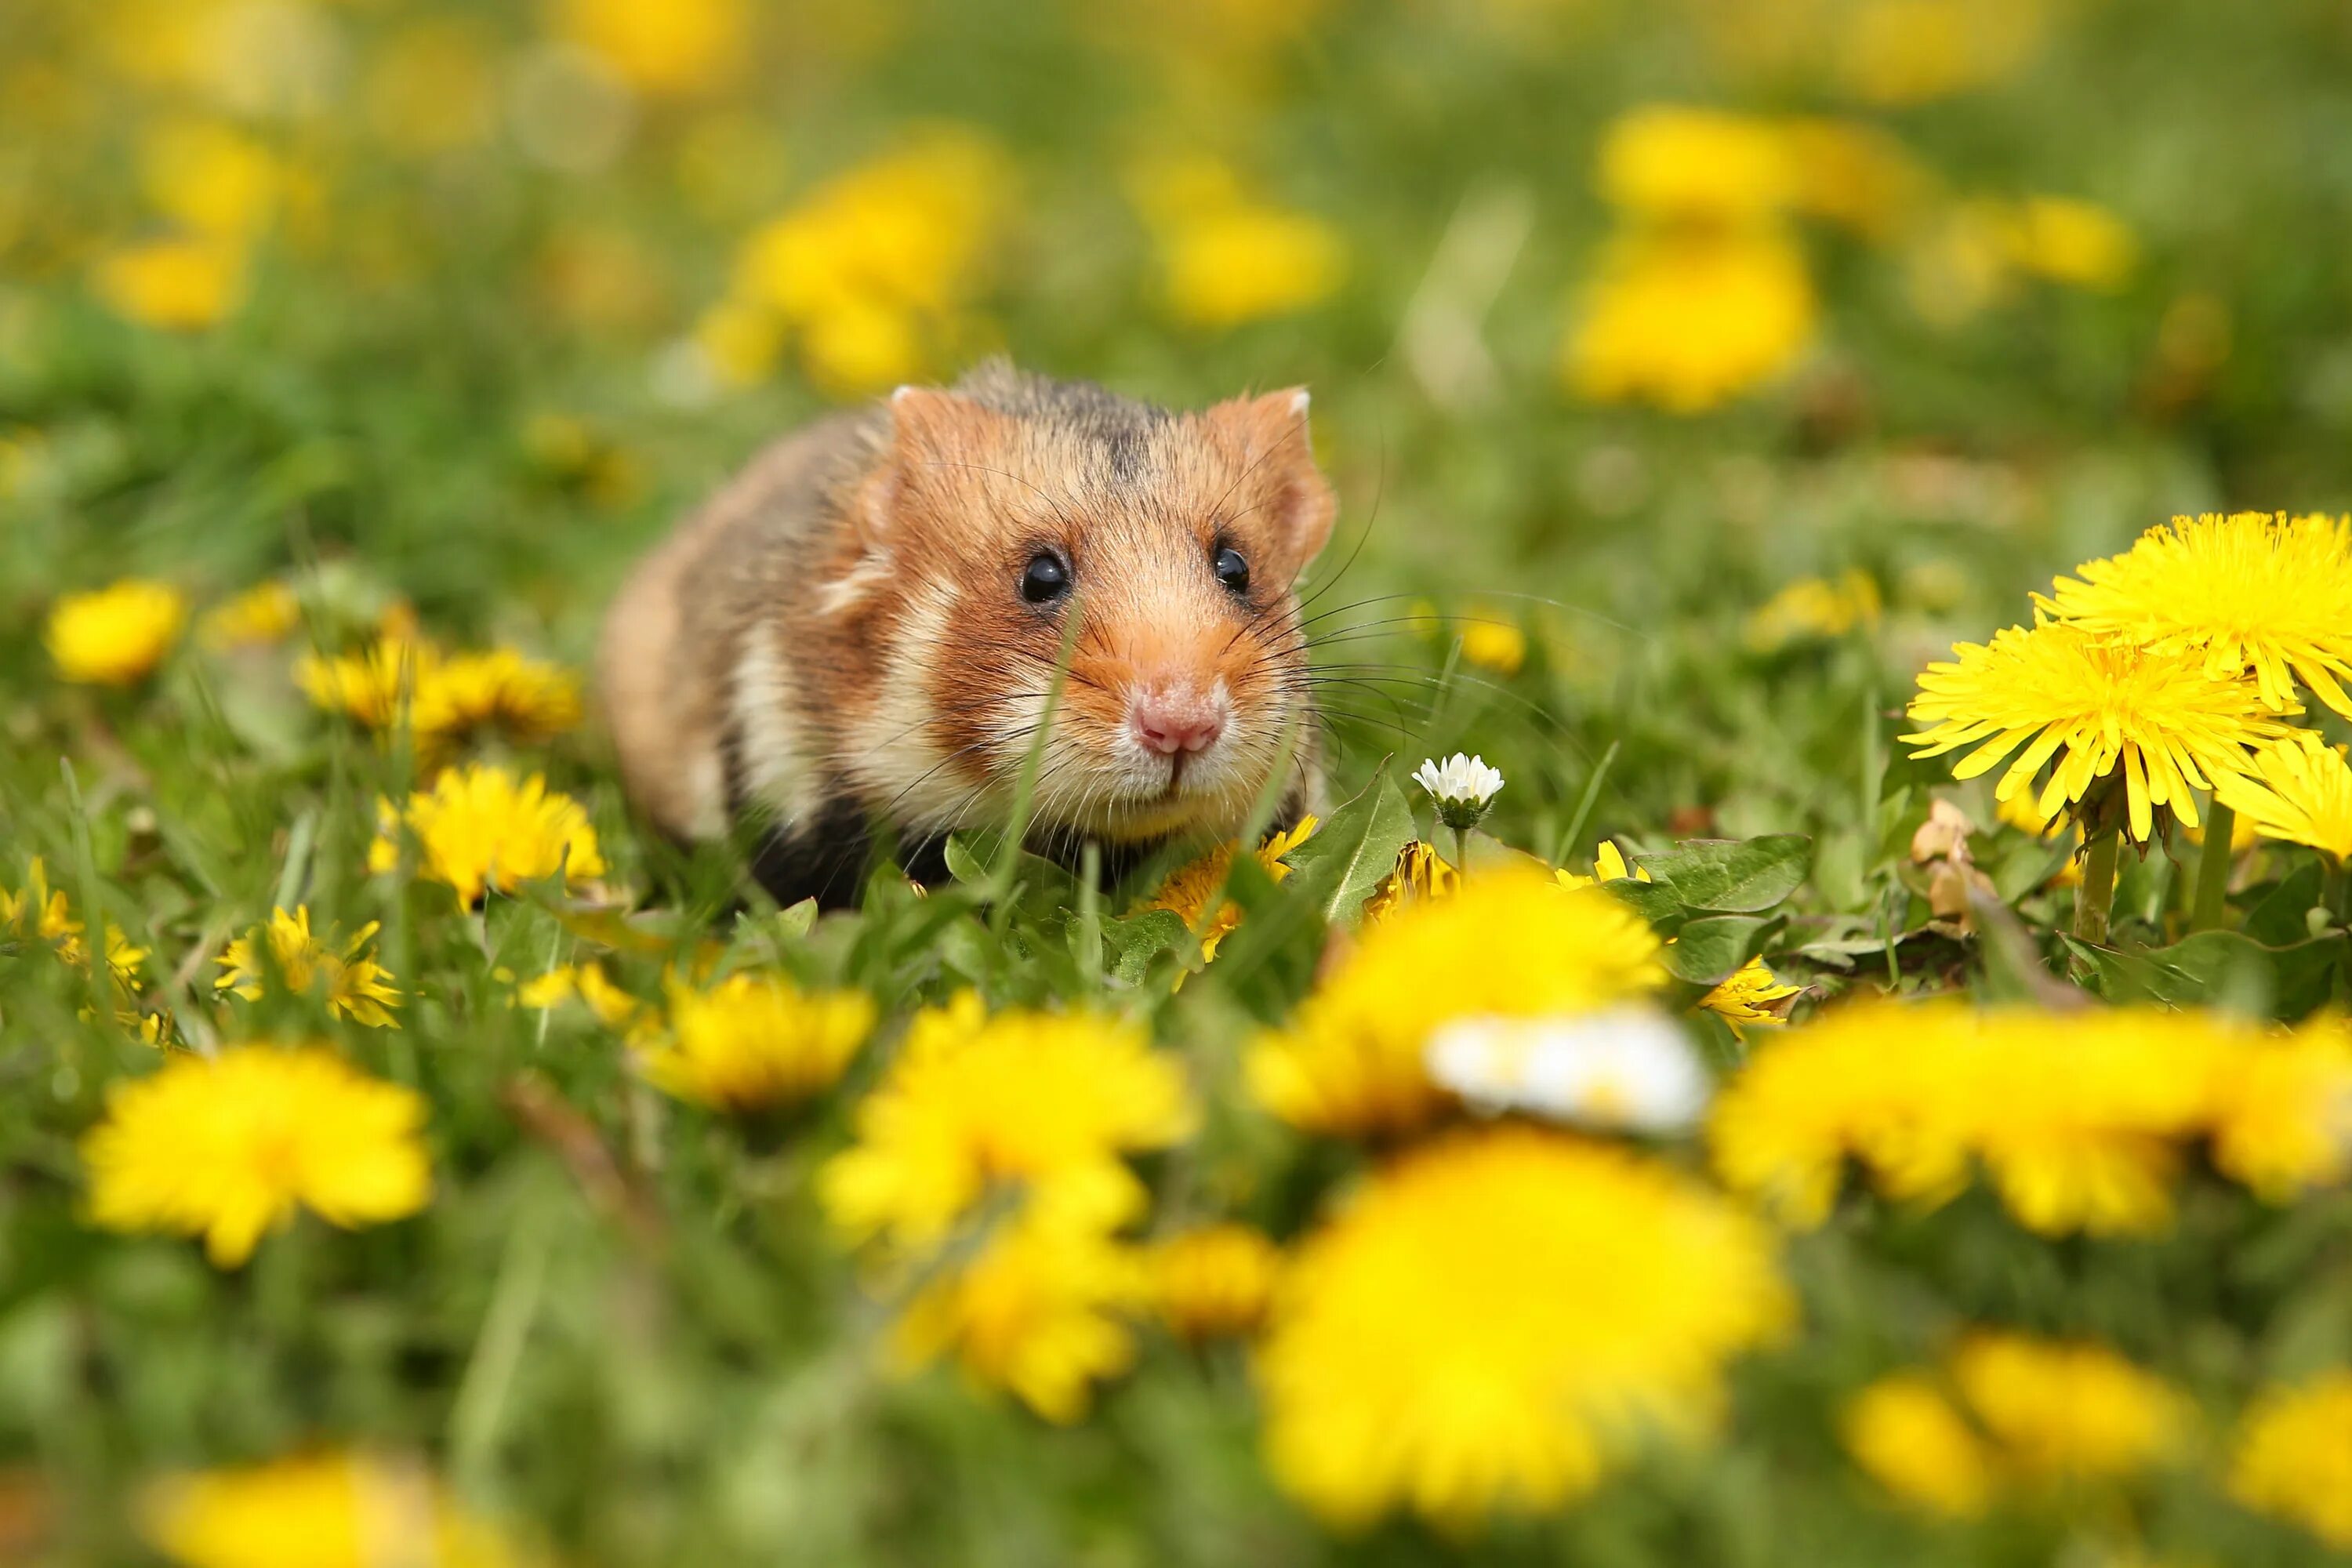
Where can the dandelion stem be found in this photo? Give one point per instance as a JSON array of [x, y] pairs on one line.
[[2212, 909], [2097, 891], [1462, 852]]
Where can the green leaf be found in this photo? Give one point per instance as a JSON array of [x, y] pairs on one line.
[[2221, 968], [1131, 945], [1353, 851], [2284, 916], [1725, 877], [1710, 951]]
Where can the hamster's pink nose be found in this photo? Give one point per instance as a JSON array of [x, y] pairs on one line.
[[1172, 722]]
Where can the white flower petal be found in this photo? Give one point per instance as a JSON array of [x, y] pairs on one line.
[[1628, 1067]]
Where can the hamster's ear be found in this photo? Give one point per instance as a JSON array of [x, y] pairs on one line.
[[936, 441], [1270, 436]]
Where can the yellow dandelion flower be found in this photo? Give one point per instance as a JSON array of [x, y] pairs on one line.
[[2283, 1111], [1420, 873], [754, 1041], [1854, 175], [1907, 1438], [213, 178], [1215, 1281], [1229, 256], [265, 614], [2293, 1456], [115, 635], [1609, 865], [1669, 161], [51, 919], [376, 686], [1814, 609], [1036, 1311], [612, 1006], [2077, 1119], [1046, 1100], [678, 47], [228, 1148], [1912, 51], [1186, 891], [1491, 642], [2102, 708], [2252, 593], [321, 1510], [2059, 1411], [356, 986], [1492, 1320], [1748, 996], [2298, 790], [1510, 943], [1689, 321], [180, 284], [477, 829], [2071, 241], [531, 700]]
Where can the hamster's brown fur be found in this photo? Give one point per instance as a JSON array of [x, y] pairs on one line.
[[840, 637]]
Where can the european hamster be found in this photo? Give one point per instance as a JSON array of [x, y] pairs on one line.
[[861, 628]]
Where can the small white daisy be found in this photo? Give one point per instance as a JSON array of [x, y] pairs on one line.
[[1627, 1068], [1462, 786]]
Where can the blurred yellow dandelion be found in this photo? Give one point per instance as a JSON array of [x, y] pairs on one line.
[[1688, 320], [264, 614], [2066, 1410], [752, 1042], [115, 635], [319, 1510], [675, 48], [1420, 873], [354, 985], [587, 982], [2293, 1455], [1510, 943], [1906, 1436], [1814, 608], [1493, 1321], [1674, 162], [1039, 1311], [2282, 1110], [1746, 999], [1229, 257], [1046, 1101], [477, 829], [181, 283], [1215, 1281], [228, 1148]]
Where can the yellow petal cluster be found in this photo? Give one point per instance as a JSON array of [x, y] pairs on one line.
[[1420, 873], [320, 1511], [2297, 789], [1230, 257], [115, 635], [872, 271], [227, 1148], [678, 48], [1814, 608], [478, 828], [1214, 1281], [1746, 998], [355, 986], [755, 1041], [1510, 943], [2257, 594], [1187, 891], [442, 697], [2293, 1456], [1689, 321], [264, 614], [180, 283], [2079, 1120], [40, 910], [2012, 1411], [2098, 709], [1491, 1322], [1047, 1104]]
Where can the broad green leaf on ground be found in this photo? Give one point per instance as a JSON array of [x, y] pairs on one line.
[[2220, 968], [1710, 951], [1727, 877], [1353, 851], [1131, 945]]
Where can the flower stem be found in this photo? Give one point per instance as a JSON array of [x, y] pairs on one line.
[[2097, 891], [1461, 852], [2212, 909]]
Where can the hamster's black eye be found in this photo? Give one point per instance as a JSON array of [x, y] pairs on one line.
[[1045, 579], [1231, 570]]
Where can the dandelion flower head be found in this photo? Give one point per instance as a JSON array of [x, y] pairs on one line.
[[319, 1510], [1049, 1102], [2098, 707], [1509, 944], [115, 635], [478, 828], [356, 986], [2248, 592], [227, 1148], [754, 1041], [2297, 789], [2293, 1456], [1494, 1319]]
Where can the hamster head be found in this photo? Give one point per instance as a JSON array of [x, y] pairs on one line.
[[1018, 529]]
